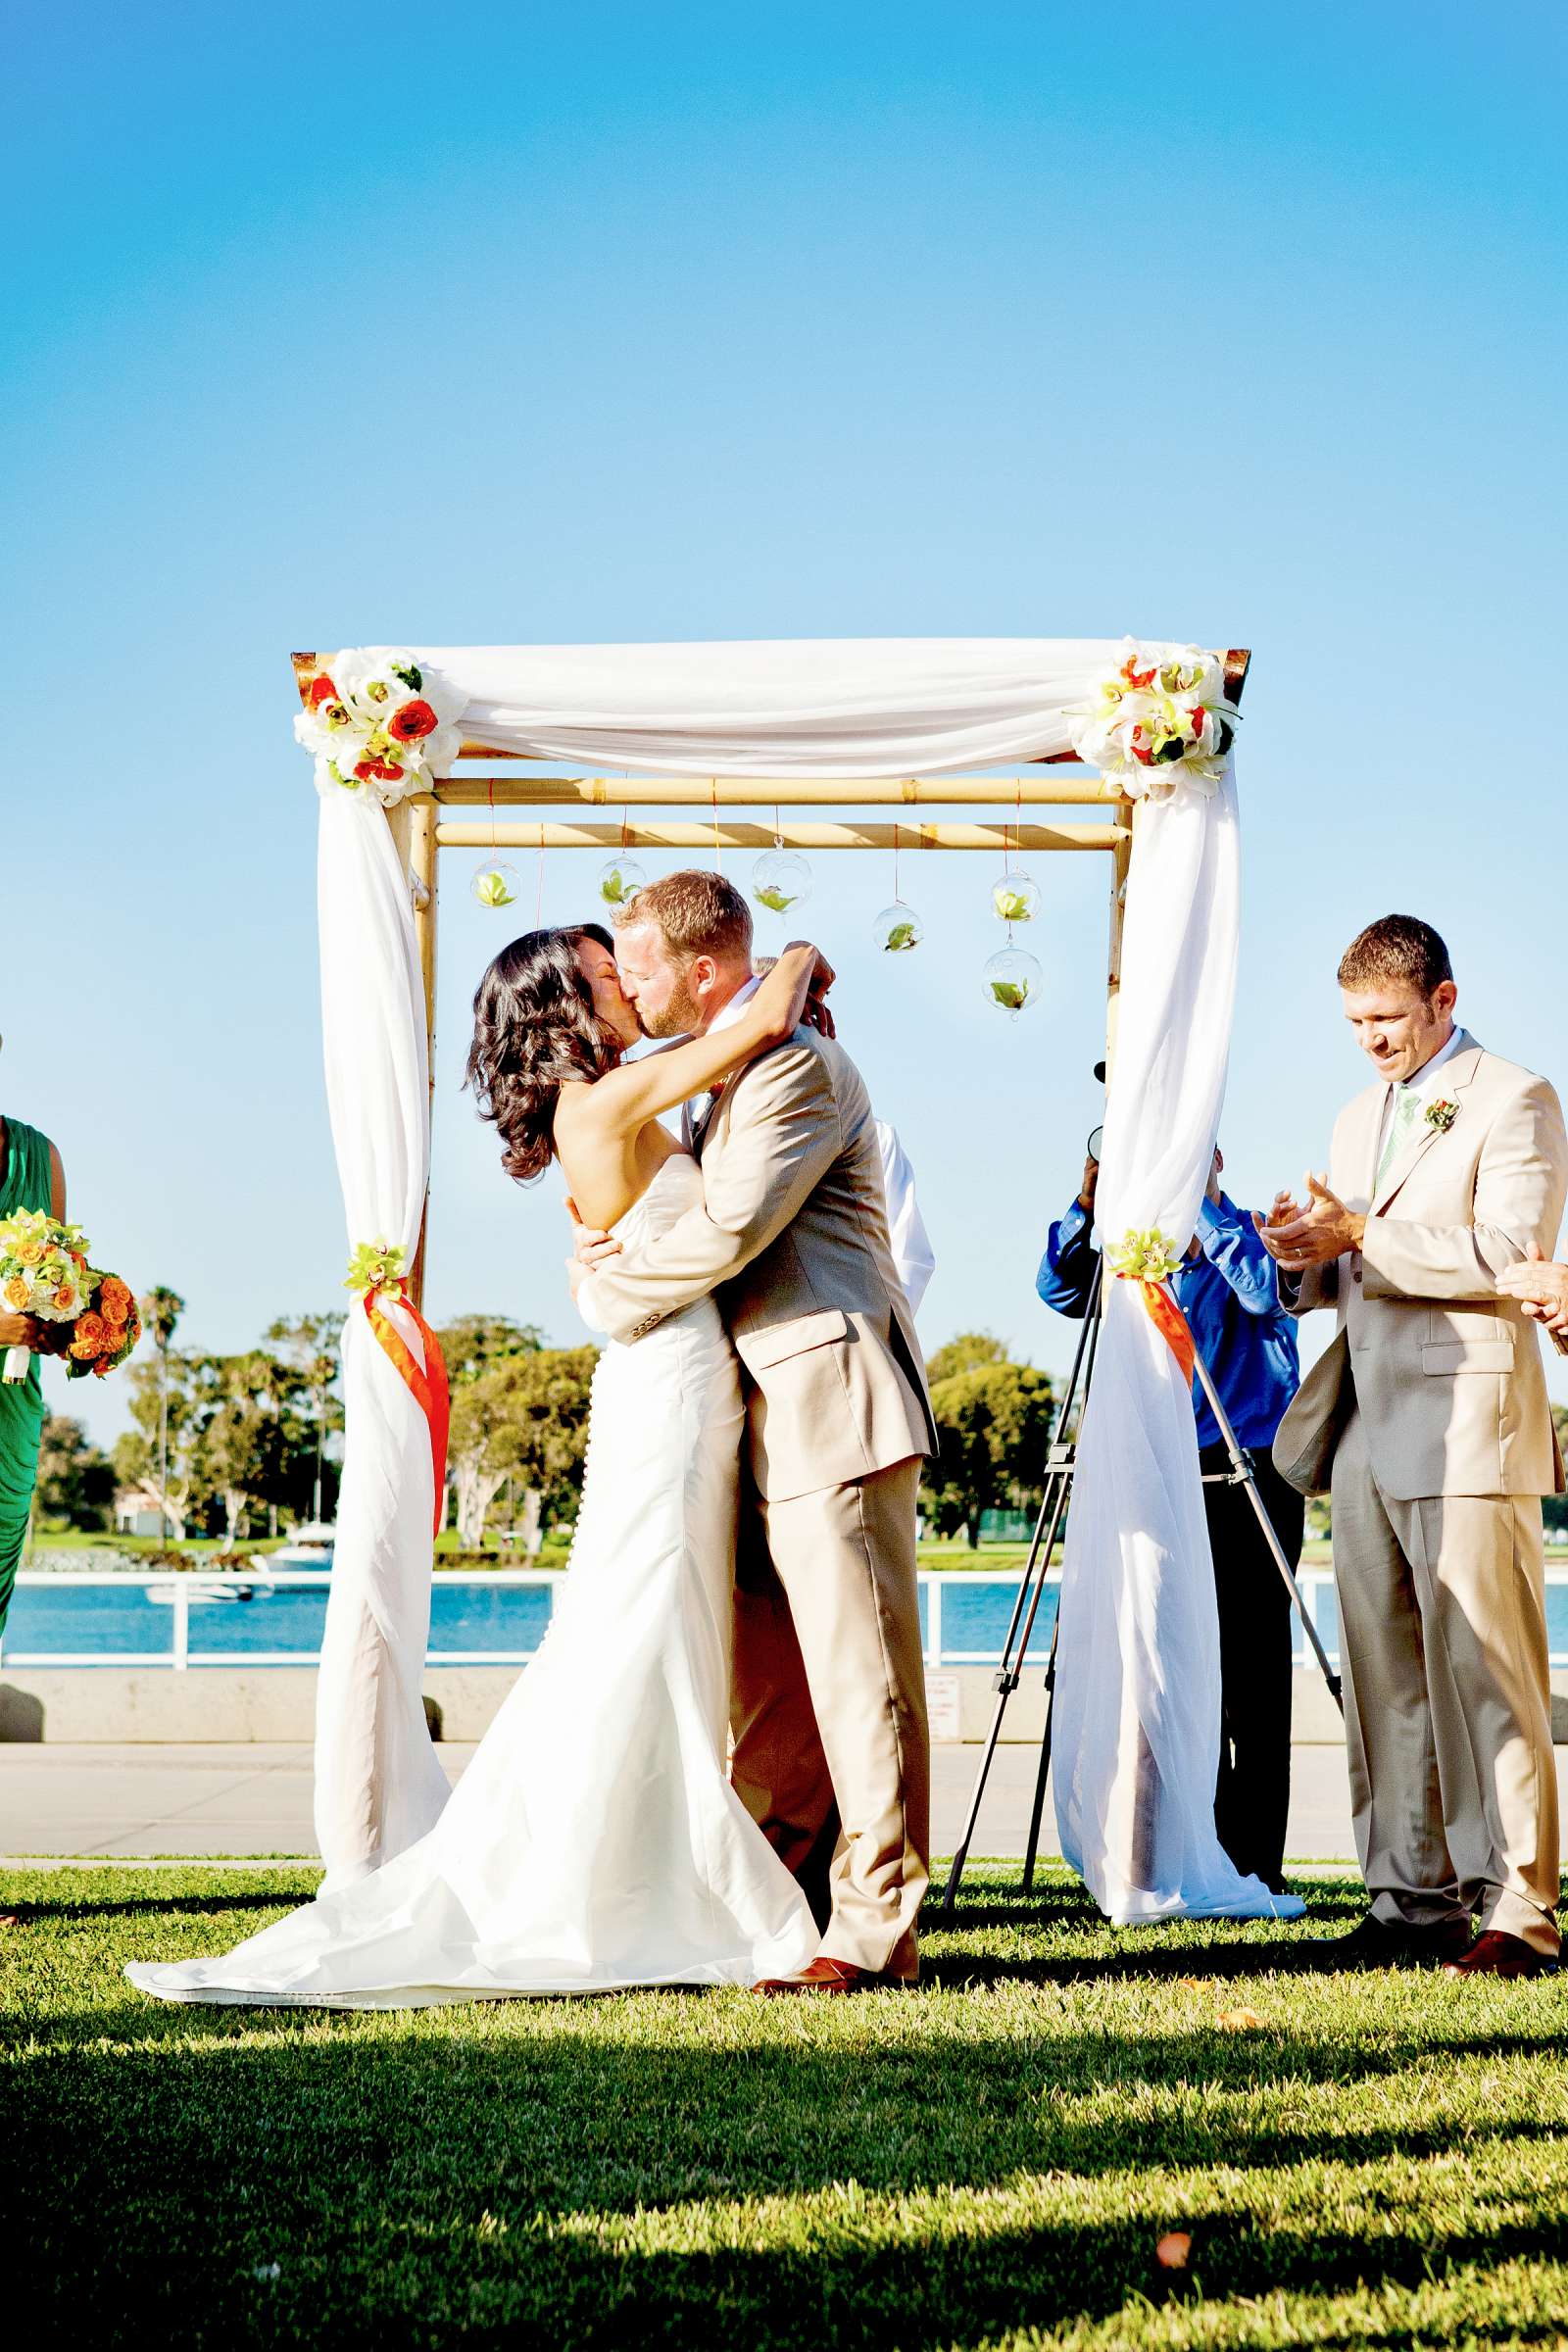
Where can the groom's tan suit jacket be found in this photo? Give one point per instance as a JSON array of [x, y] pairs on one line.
[[1446, 1374], [792, 1237], [1428, 1417], [827, 1700]]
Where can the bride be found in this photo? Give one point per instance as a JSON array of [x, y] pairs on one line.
[[594, 1840]]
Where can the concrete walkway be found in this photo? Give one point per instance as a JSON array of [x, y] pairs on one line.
[[253, 1799]]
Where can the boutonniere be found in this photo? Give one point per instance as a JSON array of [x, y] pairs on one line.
[[1442, 1115]]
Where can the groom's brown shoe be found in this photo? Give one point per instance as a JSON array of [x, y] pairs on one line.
[[1498, 1954], [831, 1975]]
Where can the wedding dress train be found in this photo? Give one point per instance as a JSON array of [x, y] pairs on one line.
[[594, 1840]]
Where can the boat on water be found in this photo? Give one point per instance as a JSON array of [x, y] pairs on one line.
[[309, 1546]]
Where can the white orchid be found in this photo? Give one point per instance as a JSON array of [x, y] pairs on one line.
[[374, 679], [1160, 723], [386, 713]]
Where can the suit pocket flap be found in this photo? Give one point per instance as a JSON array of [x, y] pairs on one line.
[[1467, 1355], [758, 1349]]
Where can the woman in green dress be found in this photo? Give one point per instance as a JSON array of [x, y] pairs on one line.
[[31, 1177]]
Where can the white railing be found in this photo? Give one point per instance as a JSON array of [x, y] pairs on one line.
[[195, 1587]]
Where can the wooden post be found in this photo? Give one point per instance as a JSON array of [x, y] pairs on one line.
[[1121, 858], [422, 878]]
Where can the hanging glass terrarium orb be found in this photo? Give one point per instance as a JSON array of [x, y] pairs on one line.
[[781, 881], [898, 929], [1013, 980], [621, 880], [1014, 899], [496, 885]]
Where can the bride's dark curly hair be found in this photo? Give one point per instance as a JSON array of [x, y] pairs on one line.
[[534, 1029]]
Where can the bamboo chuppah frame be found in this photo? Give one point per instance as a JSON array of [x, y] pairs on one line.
[[422, 830]]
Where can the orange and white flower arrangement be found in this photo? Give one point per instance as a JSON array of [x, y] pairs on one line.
[[44, 1273], [380, 723], [1159, 722]]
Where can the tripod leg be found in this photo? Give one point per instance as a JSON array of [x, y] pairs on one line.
[[1032, 1850], [1241, 1464], [1052, 1506], [961, 1852]]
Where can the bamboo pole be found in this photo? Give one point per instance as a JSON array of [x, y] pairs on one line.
[[1085, 790], [422, 864], [1121, 858], [452, 835]]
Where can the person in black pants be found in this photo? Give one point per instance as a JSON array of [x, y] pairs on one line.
[[1229, 1291]]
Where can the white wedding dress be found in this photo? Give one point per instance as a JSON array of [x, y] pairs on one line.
[[594, 1840]]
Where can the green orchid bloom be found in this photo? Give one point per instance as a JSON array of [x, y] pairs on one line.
[[776, 901], [1011, 905], [374, 1266], [901, 936], [1013, 994], [491, 891]]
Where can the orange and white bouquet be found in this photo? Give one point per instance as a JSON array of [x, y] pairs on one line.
[[1160, 722], [44, 1272], [380, 723]]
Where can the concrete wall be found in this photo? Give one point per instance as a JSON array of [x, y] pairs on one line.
[[216, 1703]]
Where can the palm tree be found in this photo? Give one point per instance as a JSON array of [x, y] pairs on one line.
[[312, 1344], [161, 1311]]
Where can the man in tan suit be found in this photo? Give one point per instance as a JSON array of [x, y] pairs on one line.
[[1428, 1418], [831, 1752]]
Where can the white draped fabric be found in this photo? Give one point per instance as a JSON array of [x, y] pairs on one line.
[[860, 707], [1138, 1697], [1138, 1718], [378, 1783]]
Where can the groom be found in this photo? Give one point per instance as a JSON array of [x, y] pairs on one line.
[[831, 1753]]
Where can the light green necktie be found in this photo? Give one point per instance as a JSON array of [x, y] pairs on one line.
[[1407, 1109]]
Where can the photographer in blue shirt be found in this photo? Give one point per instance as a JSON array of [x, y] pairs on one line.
[[1228, 1290]]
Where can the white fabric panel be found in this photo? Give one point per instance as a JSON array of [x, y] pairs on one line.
[[857, 706], [378, 1784], [1138, 1696], [912, 1253]]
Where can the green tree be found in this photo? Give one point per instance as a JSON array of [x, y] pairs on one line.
[[470, 1345], [161, 1451], [994, 1421], [161, 1311], [525, 1417], [251, 1433], [962, 1354], [312, 1346], [75, 1480]]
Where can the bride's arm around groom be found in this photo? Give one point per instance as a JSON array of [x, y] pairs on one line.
[[792, 1237]]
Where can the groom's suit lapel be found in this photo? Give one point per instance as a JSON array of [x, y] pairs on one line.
[[1458, 1073]]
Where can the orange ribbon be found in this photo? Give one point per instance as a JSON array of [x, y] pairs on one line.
[[428, 1385], [1169, 1321]]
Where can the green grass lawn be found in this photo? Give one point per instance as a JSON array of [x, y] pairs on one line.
[[990, 2161]]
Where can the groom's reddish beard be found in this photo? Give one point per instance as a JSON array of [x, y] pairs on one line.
[[680, 1015]]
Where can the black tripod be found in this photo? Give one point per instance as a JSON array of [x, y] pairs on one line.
[[1060, 1463]]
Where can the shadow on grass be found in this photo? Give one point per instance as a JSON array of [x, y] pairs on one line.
[[424, 2184], [204, 1905]]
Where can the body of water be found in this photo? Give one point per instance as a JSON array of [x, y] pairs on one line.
[[478, 1619]]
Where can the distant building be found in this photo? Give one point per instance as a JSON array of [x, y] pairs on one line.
[[137, 1513]]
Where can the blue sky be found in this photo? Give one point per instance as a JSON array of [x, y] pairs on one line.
[[530, 324]]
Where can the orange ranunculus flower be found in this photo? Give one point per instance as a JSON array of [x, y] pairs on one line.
[[115, 1301], [16, 1292], [412, 721], [94, 1337], [65, 1297]]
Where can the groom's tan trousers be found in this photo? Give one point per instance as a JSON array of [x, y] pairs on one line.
[[831, 1751], [1453, 1788]]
